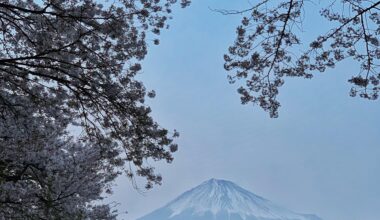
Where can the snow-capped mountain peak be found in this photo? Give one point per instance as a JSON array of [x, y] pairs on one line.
[[221, 199]]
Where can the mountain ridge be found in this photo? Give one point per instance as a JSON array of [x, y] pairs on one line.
[[223, 200]]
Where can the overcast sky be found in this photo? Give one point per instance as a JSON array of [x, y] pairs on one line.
[[321, 156]]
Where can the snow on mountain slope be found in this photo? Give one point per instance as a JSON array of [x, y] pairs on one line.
[[221, 199]]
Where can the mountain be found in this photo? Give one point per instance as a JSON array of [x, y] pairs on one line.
[[223, 200]]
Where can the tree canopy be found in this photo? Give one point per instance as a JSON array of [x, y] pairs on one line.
[[269, 47], [68, 64], [46, 174]]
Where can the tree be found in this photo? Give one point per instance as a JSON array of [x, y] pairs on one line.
[[68, 64], [76, 61], [267, 48], [46, 174]]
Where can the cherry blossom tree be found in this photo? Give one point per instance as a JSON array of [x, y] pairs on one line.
[[76, 61], [269, 47], [46, 174], [69, 64]]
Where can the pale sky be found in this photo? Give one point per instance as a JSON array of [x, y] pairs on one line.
[[321, 156]]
